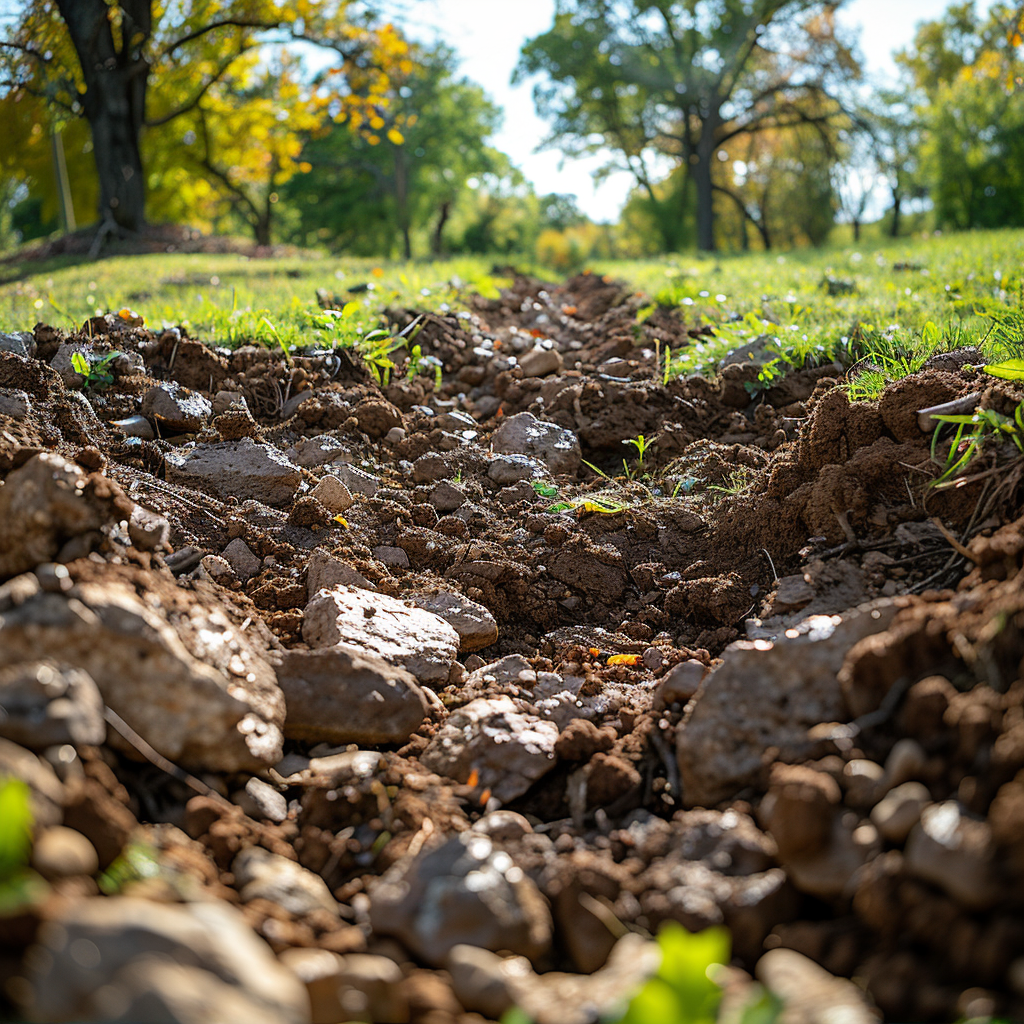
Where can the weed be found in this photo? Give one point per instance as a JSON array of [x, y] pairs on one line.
[[972, 432], [545, 490], [738, 481], [19, 885], [641, 444], [95, 372]]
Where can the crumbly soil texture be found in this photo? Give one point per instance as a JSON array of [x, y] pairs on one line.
[[711, 650]]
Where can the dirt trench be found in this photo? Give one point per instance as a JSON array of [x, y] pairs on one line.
[[760, 673]]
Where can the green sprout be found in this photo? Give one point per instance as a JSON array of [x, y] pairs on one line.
[[641, 444], [95, 373], [972, 431]]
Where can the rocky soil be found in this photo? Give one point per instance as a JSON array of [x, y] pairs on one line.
[[330, 712]]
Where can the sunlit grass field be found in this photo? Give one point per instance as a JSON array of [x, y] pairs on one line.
[[899, 300]]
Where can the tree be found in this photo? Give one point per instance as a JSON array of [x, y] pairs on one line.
[[96, 59], [968, 72], [649, 78], [370, 189]]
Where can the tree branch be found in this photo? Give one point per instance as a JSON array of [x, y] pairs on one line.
[[223, 23]]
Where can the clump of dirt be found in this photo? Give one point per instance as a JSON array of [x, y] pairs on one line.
[[582, 624]]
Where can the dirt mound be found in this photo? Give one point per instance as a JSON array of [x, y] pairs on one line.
[[767, 676]]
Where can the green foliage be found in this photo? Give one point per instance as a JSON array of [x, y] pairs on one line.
[[972, 433], [94, 370], [136, 862], [15, 826], [641, 444]]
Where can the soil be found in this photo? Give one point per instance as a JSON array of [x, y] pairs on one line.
[[753, 508]]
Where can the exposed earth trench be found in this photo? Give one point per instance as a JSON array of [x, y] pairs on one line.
[[413, 703]]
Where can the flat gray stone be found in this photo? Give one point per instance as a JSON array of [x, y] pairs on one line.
[[524, 434], [419, 641], [358, 481], [236, 469], [475, 625], [324, 572], [176, 408], [260, 874], [45, 704]]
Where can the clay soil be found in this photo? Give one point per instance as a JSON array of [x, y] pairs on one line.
[[754, 508]]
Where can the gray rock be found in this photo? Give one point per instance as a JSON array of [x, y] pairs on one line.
[[358, 481], [148, 530], [394, 435], [61, 362], [21, 343], [509, 750], [119, 958], [344, 694], [173, 666], [260, 874], [900, 810], [473, 622], [759, 350], [767, 694], [60, 852], [955, 852], [463, 891], [176, 408], [332, 494], [402, 635], [15, 403], [135, 426], [524, 434], [491, 984], [447, 497], [809, 994], [236, 469], [906, 761], [225, 400], [260, 800], [360, 986], [324, 572], [679, 683], [241, 559], [44, 704], [397, 558], [318, 451], [43, 504], [791, 594], [539, 362], [510, 469]]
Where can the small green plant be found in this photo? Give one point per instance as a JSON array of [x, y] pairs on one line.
[[136, 862], [973, 431], [19, 885], [768, 376], [95, 373], [736, 482], [641, 444], [544, 489]]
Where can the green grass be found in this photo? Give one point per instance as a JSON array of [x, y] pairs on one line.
[[952, 290]]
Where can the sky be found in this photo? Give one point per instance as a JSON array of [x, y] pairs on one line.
[[487, 35]]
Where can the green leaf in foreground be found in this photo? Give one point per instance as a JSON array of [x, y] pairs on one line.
[[1010, 369], [15, 826]]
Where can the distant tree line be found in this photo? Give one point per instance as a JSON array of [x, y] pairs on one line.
[[745, 124]]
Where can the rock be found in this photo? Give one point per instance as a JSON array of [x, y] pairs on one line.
[[679, 683], [148, 530], [524, 434], [760, 350], [119, 958], [173, 666], [906, 761], [345, 694], [260, 874], [15, 403], [46, 791], [809, 994], [356, 480], [359, 986], [463, 891], [61, 362], [503, 826], [539, 362], [395, 557], [235, 469], [261, 800], [473, 622], [176, 408], [491, 985], [21, 343], [511, 469], [44, 704], [447, 497], [241, 559], [862, 782], [317, 451], [324, 572], [377, 416], [60, 852], [791, 594], [417, 640], [900, 810], [225, 401], [332, 494], [767, 694], [134, 426], [955, 852], [509, 750], [45, 503], [395, 435]]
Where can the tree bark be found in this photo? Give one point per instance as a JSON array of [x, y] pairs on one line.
[[897, 202], [436, 242], [705, 154], [114, 101]]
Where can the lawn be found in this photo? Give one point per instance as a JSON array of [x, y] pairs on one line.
[[895, 301]]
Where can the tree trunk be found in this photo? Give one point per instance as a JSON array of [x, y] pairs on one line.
[[442, 219], [261, 227], [402, 199], [856, 229], [114, 101], [897, 202], [705, 154]]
